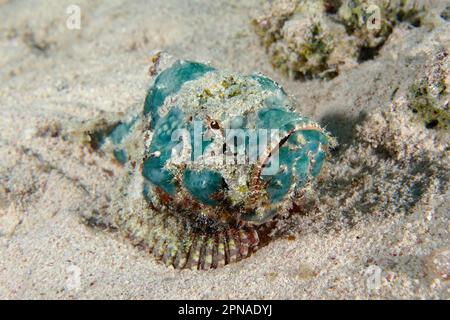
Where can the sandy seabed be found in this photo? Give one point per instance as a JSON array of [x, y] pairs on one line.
[[372, 235]]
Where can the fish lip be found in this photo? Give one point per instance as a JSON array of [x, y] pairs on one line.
[[257, 219]]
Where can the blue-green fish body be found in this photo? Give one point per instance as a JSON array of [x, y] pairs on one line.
[[212, 160]]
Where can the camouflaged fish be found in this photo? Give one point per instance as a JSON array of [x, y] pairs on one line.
[[212, 161]]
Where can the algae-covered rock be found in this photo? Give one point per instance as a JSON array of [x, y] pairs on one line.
[[429, 96], [306, 38]]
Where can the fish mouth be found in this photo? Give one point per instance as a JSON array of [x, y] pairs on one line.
[[258, 218], [260, 208]]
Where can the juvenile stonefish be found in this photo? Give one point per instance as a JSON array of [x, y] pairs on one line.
[[211, 162]]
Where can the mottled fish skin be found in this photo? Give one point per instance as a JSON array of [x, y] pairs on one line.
[[198, 213]]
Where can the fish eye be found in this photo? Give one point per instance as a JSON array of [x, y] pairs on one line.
[[214, 125]]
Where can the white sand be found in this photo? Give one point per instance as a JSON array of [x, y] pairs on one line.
[[50, 74]]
